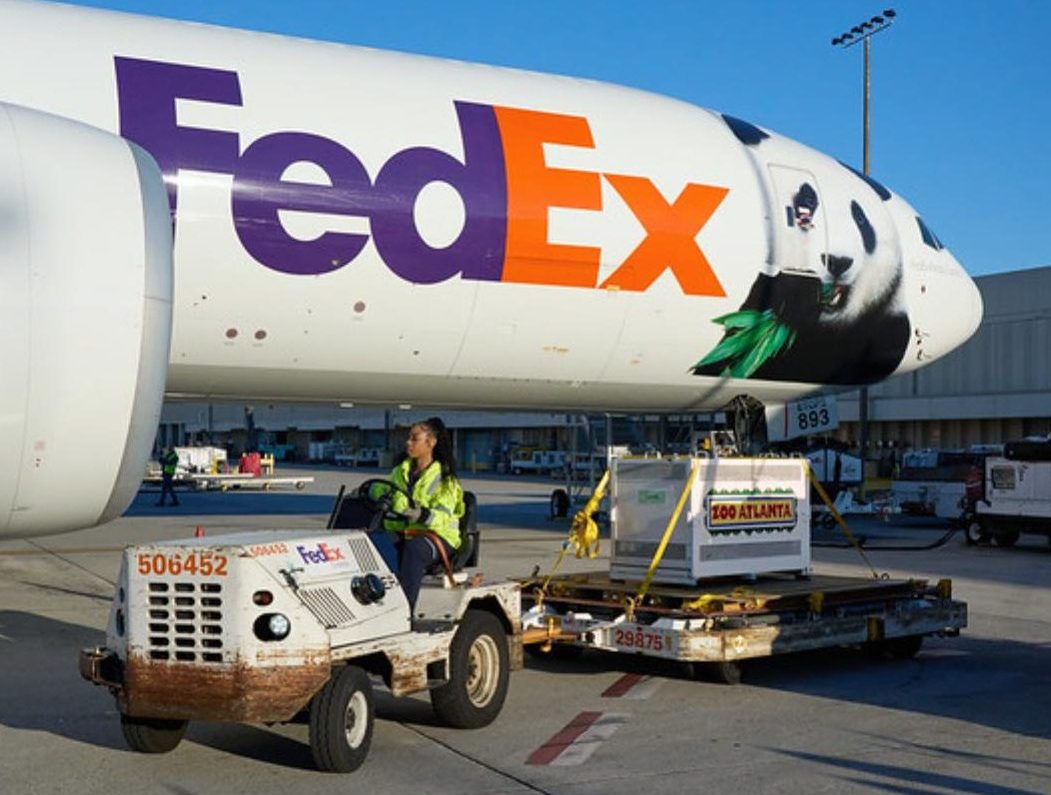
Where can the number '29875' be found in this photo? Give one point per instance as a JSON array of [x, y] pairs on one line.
[[639, 639]]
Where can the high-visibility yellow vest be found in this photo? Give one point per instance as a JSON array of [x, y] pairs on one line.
[[441, 496], [170, 462]]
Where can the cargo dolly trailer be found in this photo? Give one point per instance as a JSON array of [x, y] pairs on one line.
[[722, 575]]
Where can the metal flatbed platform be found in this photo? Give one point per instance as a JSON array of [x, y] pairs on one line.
[[722, 622]]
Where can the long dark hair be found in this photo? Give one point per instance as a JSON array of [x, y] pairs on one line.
[[443, 447]]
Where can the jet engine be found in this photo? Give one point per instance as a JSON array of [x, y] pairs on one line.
[[85, 320]]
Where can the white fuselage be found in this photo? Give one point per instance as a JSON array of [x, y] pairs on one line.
[[193, 211], [369, 226]]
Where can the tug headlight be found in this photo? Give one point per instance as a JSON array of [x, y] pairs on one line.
[[368, 589], [272, 626]]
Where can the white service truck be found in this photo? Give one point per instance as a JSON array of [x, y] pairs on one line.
[[265, 626], [1017, 496]]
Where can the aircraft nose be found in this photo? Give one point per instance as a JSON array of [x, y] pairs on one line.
[[950, 310]]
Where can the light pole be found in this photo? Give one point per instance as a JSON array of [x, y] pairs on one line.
[[863, 32]]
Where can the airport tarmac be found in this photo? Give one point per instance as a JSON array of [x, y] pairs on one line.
[[969, 714]]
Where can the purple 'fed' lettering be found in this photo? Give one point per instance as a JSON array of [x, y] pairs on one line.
[[148, 92], [259, 193], [478, 252]]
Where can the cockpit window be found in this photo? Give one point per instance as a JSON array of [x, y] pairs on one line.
[[928, 236]]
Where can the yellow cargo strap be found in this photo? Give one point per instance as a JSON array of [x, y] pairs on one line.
[[632, 603], [583, 532], [836, 515], [583, 535], [738, 599]]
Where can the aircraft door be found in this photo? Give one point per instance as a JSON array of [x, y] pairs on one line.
[[800, 237]]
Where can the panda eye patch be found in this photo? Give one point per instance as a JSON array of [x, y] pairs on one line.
[[868, 234]]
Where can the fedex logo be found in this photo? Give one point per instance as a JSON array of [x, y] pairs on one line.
[[323, 553], [503, 180]]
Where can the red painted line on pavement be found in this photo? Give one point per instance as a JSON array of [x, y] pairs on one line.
[[562, 739], [622, 685]]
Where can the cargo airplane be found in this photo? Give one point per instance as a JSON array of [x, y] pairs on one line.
[[188, 210]]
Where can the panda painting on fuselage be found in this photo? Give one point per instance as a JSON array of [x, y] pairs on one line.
[[827, 307]]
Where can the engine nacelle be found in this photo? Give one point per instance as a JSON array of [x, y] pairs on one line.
[[85, 321]]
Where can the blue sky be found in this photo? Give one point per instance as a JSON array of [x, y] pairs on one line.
[[961, 102]]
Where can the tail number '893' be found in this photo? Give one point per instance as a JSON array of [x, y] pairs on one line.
[[206, 564]]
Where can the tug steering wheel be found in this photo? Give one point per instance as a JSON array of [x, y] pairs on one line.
[[379, 494]]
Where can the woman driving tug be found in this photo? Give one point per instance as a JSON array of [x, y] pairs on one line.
[[428, 473]]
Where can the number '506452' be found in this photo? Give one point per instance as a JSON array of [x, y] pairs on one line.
[[207, 564]]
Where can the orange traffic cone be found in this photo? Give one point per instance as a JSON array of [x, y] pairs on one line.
[[199, 532]]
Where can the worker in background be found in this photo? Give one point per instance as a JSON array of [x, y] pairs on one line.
[[169, 463], [428, 473]]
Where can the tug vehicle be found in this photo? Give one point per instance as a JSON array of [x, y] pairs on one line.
[[264, 626]]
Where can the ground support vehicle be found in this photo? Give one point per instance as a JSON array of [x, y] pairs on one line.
[[244, 480], [1017, 496], [529, 461], [845, 505], [270, 625], [718, 626], [945, 499], [940, 483]]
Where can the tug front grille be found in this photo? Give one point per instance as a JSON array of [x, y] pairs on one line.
[[185, 621]]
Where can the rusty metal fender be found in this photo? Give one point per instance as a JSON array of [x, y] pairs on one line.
[[257, 693]]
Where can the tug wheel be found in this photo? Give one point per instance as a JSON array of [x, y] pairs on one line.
[[152, 735], [479, 670], [341, 720]]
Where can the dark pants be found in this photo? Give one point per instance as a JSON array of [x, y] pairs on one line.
[[414, 556], [167, 488]]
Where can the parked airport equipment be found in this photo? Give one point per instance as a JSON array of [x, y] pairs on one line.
[[939, 483], [263, 626], [527, 460], [1017, 495], [205, 459], [827, 463], [680, 606]]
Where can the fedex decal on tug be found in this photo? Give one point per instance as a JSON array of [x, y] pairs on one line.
[[357, 225]]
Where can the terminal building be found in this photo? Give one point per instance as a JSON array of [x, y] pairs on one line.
[[994, 388]]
